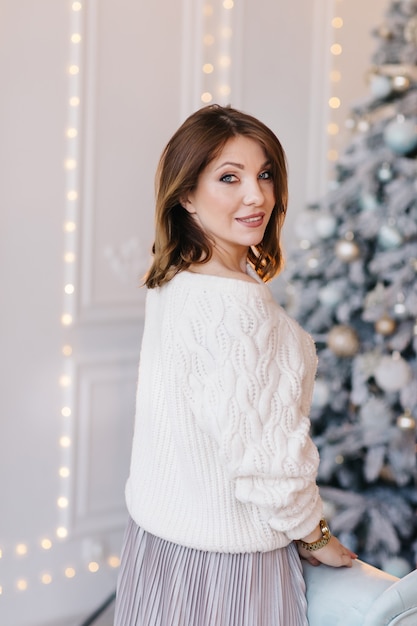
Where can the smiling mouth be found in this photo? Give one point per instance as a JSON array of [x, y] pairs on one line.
[[253, 220]]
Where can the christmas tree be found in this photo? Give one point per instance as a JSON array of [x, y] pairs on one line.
[[352, 283]]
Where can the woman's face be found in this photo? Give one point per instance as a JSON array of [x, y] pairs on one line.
[[234, 196]]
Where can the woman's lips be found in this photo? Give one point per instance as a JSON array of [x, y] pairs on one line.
[[253, 221]]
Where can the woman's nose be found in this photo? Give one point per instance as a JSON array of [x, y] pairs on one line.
[[253, 192]]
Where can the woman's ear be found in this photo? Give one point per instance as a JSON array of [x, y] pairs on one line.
[[187, 204]]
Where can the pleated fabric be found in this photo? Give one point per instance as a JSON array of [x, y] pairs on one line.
[[165, 584]]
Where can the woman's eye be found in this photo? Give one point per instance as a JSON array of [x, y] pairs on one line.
[[228, 178], [266, 175]]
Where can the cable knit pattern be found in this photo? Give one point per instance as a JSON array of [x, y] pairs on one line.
[[222, 459]]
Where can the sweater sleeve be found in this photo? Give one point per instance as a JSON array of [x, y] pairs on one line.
[[247, 372]]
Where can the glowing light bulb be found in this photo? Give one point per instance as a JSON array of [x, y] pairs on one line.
[[67, 350], [206, 97], [336, 49], [74, 101], [64, 472], [69, 257], [72, 195], [228, 4], [70, 164], [46, 579], [65, 381], [226, 32], [69, 572], [70, 227], [22, 584], [21, 549], [75, 38], [62, 502], [337, 22], [66, 319], [113, 561], [333, 128], [225, 61], [73, 70], [72, 132], [93, 566], [225, 90], [62, 532], [65, 442], [334, 102], [69, 289], [46, 544], [208, 68], [77, 6]]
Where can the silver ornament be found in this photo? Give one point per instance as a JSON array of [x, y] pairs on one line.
[[346, 250], [389, 237], [400, 135], [406, 421], [392, 373], [385, 325], [343, 340]]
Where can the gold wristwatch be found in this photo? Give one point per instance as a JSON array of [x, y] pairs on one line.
[[320, 543]]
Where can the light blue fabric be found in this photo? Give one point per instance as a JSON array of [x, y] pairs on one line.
[[359, 596]]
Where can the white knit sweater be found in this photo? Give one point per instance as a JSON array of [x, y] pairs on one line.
[[222, 459]]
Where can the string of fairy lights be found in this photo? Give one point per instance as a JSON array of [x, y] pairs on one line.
[[335, 102], [71, 164], [217, 56]]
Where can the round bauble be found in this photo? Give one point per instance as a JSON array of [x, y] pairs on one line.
[[363, 125], [325, 225], [400, 135], [380, 86], [385, 325], [347, 250], [343, 340], [400, 83], [406, 421], [385, 172], [389, 237], [330, 295], [368, 202], [392, 373]]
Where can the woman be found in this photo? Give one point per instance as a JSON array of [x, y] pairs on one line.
[[222, 488]]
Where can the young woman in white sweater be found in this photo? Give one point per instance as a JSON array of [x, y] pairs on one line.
[[222, 491]]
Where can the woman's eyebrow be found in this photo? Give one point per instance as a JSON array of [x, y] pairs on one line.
[[240, 166]]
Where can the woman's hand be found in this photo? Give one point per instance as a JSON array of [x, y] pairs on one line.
[[334, 554]]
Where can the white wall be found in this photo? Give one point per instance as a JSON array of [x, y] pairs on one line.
[[140, 75]]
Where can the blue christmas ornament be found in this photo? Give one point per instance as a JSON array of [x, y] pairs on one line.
[[380, 86], [389, 237], [368, 201], [400, 135], [385, 172]]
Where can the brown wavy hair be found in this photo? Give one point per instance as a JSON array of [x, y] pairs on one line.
[[179, 241]]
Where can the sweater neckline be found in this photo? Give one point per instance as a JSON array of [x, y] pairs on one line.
[[229, 283]]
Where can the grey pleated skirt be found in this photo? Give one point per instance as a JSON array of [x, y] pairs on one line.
[[165, 584]]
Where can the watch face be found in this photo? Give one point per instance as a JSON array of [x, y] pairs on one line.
[[324, 528]]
